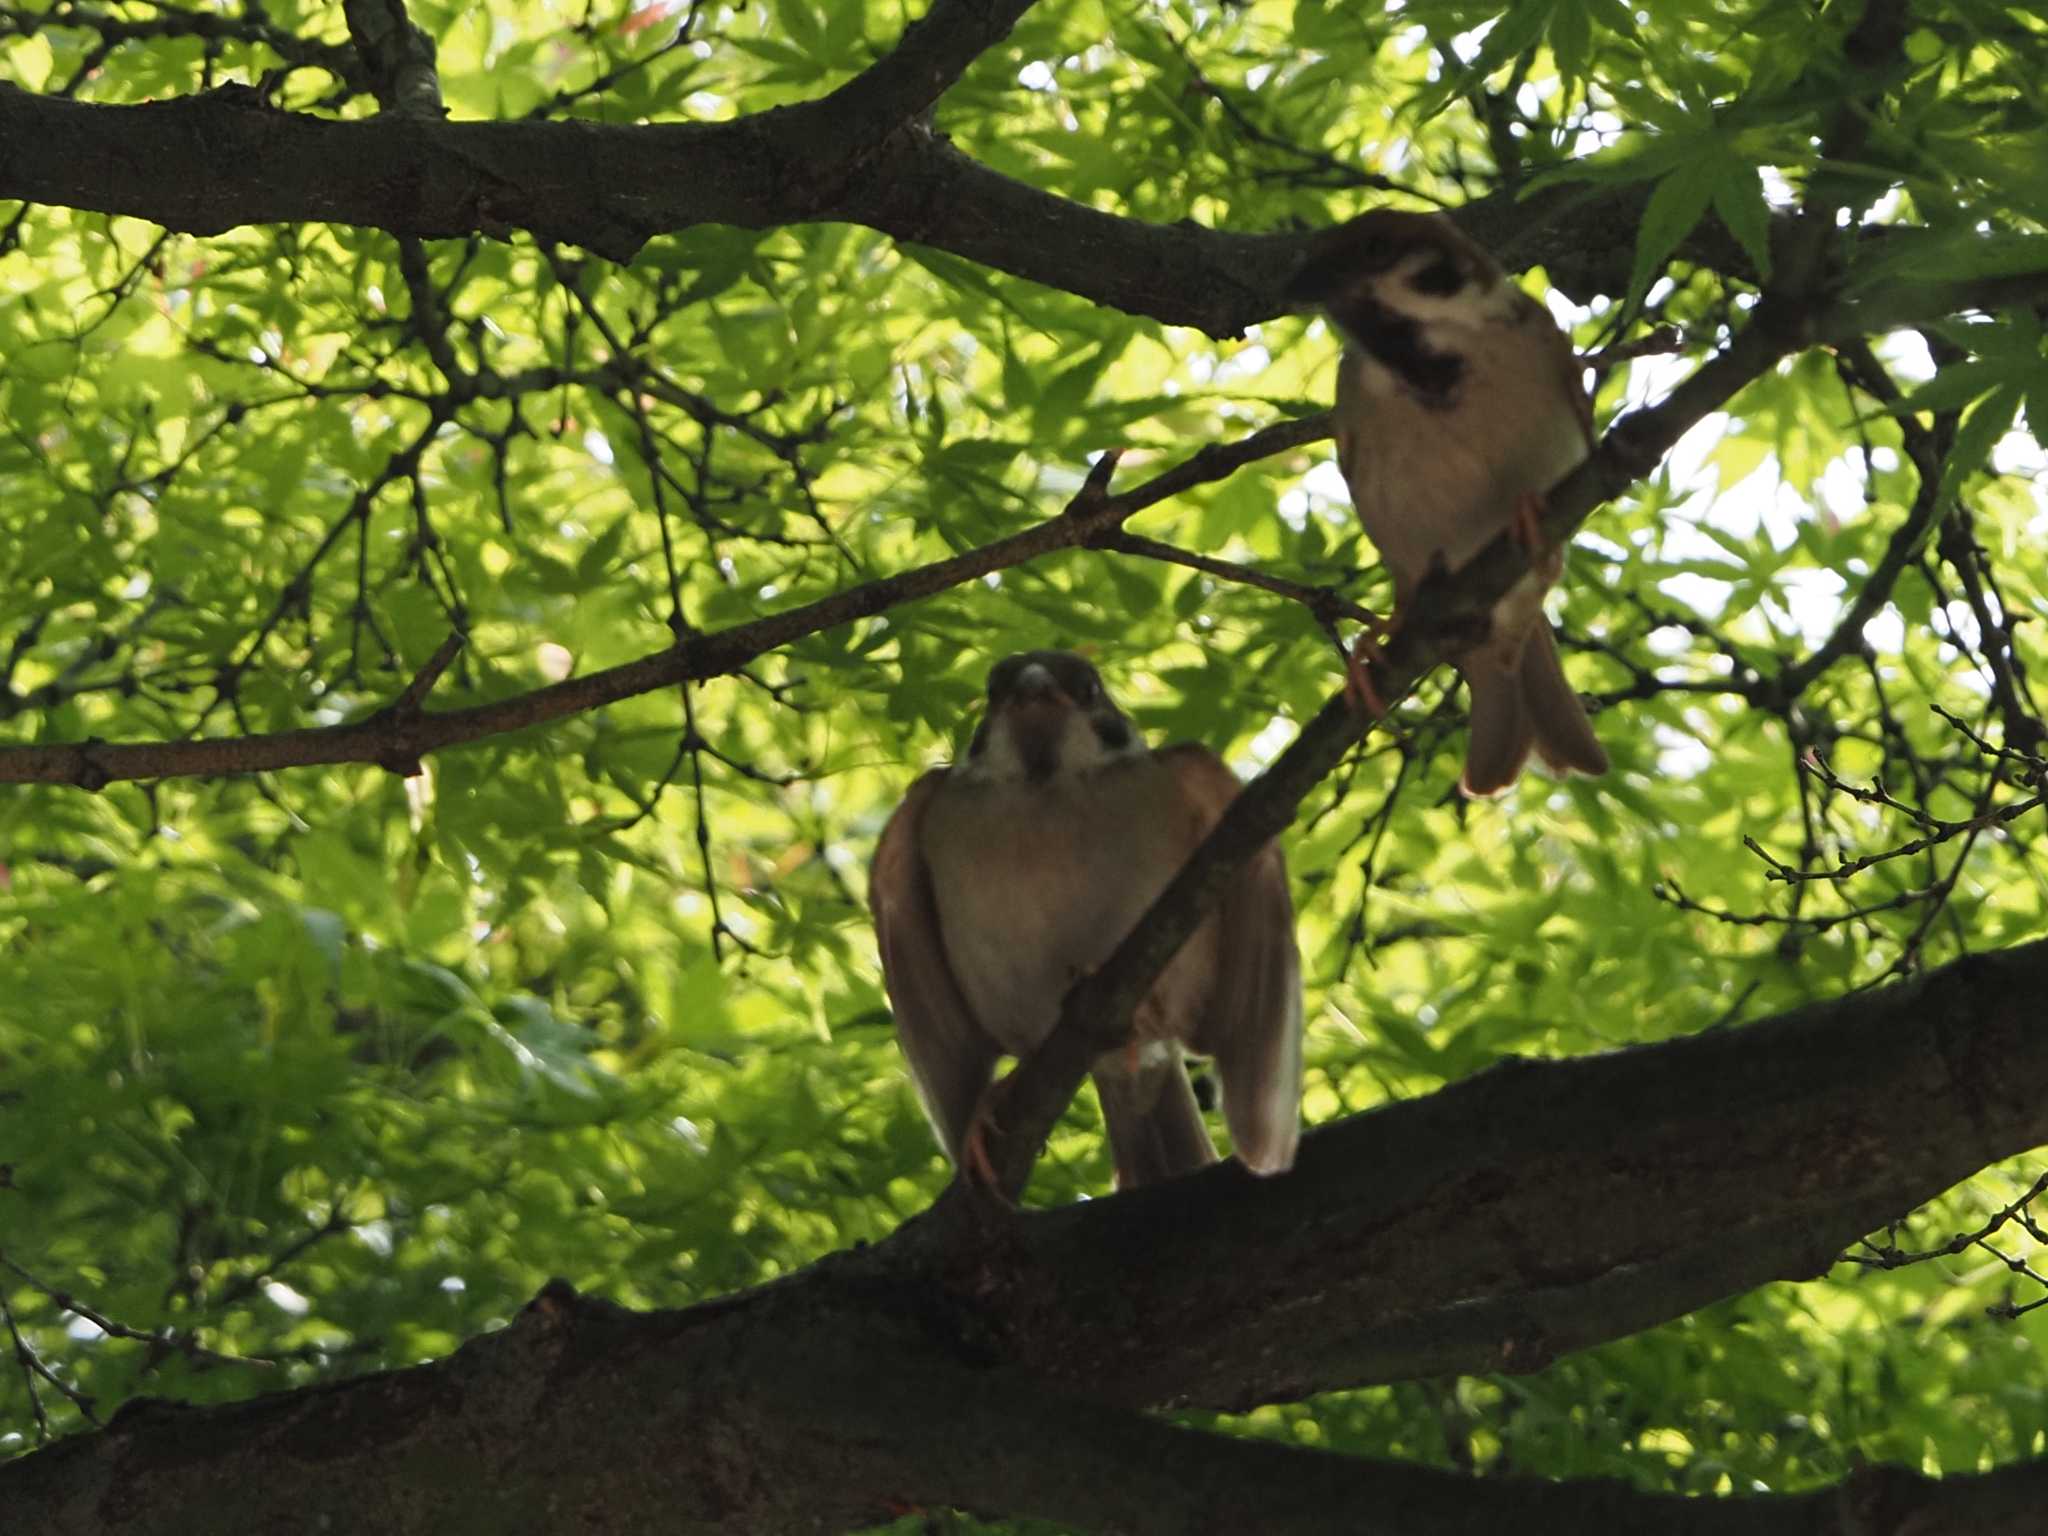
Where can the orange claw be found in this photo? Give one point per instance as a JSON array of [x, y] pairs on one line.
[[1357, 680], [1358, 683], [974, 1159], [1527, 526]]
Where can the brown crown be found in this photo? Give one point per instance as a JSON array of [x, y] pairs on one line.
[[1373, 243]]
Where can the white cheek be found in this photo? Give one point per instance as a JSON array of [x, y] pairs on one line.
[[1080, 748], [998, 759], [1440, 313]]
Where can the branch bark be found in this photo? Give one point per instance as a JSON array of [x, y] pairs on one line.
[[999, 1360], [934, 51], [204, 164], [208, 163]]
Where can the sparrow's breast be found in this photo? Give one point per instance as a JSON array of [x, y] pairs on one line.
[[1036, 883], [1442, 475]]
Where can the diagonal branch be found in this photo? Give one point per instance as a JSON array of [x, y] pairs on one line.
[[933, 52], [1097, 1013]]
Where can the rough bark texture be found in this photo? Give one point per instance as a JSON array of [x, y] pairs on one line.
[[993, 1359], [214, 162]]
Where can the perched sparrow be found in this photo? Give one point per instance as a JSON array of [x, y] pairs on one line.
[[1459, 403], [1002, 880]]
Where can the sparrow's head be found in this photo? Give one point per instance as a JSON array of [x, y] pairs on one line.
[[1047, 715], [1420, 265]]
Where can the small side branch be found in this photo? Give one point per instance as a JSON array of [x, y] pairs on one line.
[[400, 740]]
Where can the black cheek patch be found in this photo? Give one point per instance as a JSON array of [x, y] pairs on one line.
[[1395, 340], [1440, 278], [1113, 731]]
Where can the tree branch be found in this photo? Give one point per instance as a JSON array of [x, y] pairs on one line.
[[220, 160], [1326, 603], [402, 737], [217, 161], [398, 57], [933, 52], [992, 1359]]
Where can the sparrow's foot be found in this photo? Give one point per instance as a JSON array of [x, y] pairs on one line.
[[976, 1166], [1357, 680], [1357, 685], [974, 1159], [1527, 526]]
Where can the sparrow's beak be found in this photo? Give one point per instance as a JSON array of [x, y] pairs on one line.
[[1036, 715]]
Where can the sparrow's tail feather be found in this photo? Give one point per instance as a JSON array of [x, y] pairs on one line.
[[1532, 706], [1563, 735], [1155, 1126], [1501, 730]]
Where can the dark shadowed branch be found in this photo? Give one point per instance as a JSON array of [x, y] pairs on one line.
[[993, 1359]]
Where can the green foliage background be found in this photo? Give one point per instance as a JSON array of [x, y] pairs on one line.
[[336, 1067]]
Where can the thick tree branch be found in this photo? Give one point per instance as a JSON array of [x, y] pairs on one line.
[[934, 51], [403, 736], [860, 154], [213, 162], [987, 1358], [208, 163]]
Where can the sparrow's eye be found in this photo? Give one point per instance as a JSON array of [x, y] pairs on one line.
[[1441, 277]]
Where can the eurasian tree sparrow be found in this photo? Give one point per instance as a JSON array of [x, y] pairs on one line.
[[1003, 879], [1459, 403]]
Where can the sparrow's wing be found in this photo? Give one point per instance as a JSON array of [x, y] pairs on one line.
[[951, 1057], [1252, 1026], [1564, 363]]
